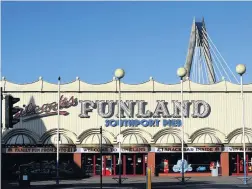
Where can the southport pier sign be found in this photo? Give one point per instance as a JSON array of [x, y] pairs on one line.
[[133, 113]]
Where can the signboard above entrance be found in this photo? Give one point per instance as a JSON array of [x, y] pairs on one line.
[[188, 149], [39, 150], [106, 109], [124, 149], [201, 149], [129, 109]]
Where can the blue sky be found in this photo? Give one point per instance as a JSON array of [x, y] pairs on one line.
[[92, 39]]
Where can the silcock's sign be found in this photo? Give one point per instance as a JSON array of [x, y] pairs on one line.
[[33, 111], [133, 113]]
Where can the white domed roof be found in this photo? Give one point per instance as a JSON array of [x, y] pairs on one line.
[[95, 139], [53, 140], [134, 139], [207, 139], [239, 139], [20, 139], [168, 139]]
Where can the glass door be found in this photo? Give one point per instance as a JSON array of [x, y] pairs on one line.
[[117, 164], [107, 165], [98, 164], [129, 164], [88, 164], [249, 162], [237, 163], [139, 164]]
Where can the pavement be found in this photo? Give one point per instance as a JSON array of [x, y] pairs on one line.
[[139, 183]]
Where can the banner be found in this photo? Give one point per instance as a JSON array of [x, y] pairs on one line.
[[188, 149], [124, 149], [38, 150], [114, 150], [237, 149], [201, 149]]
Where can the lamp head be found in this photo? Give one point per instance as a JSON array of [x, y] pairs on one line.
[[241, 69], [119, 73], [181, 72]]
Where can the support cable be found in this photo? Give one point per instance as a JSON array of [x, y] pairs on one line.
[[210, 40], [215, 63], [220, 62]]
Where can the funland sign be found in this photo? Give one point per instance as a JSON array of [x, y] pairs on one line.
[[133, 113]]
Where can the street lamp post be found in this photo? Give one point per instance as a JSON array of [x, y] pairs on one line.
[[101, 157], [119, 74], [241, 69], [58, 137], [181, 72]]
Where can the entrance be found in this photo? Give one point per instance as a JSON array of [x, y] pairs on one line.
[[237, 163], [107, 165], [132, 164]]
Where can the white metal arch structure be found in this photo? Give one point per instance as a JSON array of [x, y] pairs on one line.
[[204, 63]]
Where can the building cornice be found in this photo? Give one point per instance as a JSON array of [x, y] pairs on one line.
[[112, 86]]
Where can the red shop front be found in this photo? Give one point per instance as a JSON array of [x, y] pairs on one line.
[[134, 161], [237, 163]]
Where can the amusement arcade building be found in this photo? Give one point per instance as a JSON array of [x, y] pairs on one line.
[[150, 126]]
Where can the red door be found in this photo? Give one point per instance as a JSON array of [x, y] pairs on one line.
[[240, 163], [132, 164], [107, 165]]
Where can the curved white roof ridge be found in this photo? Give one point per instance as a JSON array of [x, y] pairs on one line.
[[112, 85]]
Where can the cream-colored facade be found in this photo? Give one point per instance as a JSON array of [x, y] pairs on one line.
[[221, 126]]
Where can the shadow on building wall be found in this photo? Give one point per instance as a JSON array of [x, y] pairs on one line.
[[24, 149]]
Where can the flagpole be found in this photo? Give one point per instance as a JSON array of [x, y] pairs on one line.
[[57, 161]]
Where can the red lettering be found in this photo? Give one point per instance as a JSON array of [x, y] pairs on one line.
[[31, 109]]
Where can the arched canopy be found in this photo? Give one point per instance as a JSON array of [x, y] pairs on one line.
[[20, 136], [66, 137], [94, 140], [91, 137], [135, 137], [235, 138], [168, 139], [63, 139], [238, 139], [20, 139], [207, 136], [169, 136]]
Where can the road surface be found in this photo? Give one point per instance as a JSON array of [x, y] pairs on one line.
[[139, 183]]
